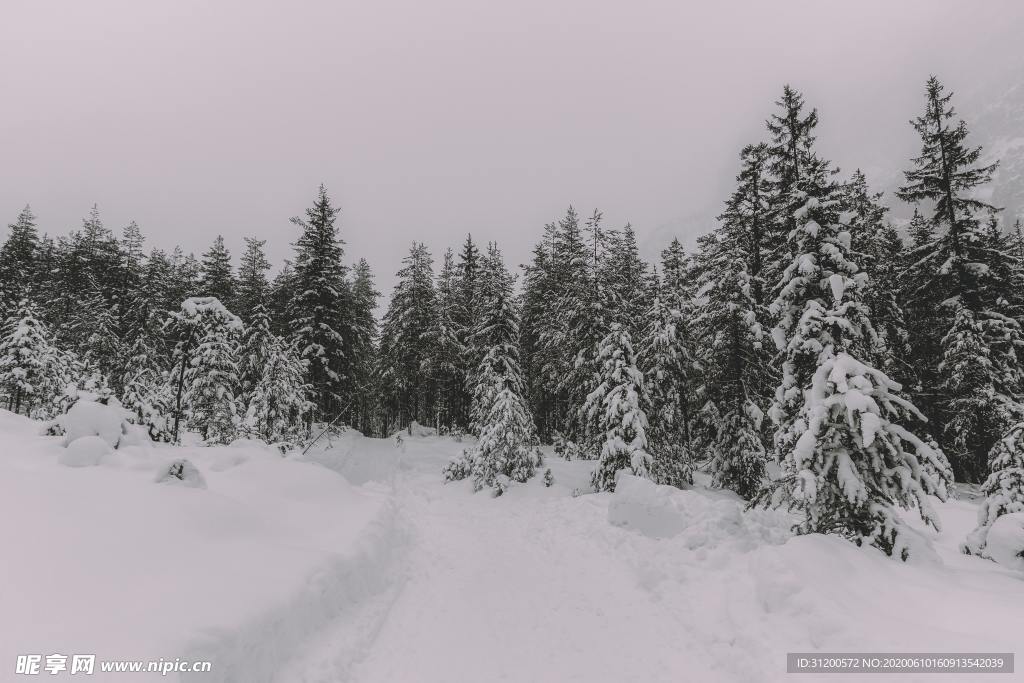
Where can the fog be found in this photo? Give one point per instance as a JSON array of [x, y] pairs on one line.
[[428, 120]]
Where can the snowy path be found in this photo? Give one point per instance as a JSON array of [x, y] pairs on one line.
[[499, 590], [538, 586]]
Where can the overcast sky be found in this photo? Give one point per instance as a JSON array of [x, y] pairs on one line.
[[428, 119]]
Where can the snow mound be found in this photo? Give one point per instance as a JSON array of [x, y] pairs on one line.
[[646, 507], [1006, 541], [90, 418], [699, 518], [183, 473], [85, 451]]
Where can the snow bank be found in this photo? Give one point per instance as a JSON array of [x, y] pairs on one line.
[[702, 518], [101, 560], [1006, 541], [85, 451]]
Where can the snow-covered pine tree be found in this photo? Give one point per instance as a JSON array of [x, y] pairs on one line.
[[626, 278], [25, 356], [953, 273], [505, 450], [444, 363], [254, 352], [404, 341], [1003, 489], [95, 326], [217, 278], [538, 290], [878, 245], [791, 160], [586, 309], [34, 373], [279, 402], [321, 303], [615, 407], [668, 365], [204, 371], [252, 288], [733, 362], [731, 316], [211, 378], [147, 393], [184, 282], [363, 348], [18, 263], [977, 404], [498, 325], [848, 460], [279, 304], [133, 308]]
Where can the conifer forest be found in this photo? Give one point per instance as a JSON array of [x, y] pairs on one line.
[[641, 453]]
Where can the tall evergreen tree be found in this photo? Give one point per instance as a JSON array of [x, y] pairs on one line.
[[405, 335], [504, 452], [217, 274], [18, 263], [363, 345], [616, 408], [252, 289], [954, 272], [320, 303], [847, 459]]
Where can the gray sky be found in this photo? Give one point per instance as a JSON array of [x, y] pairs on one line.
[[430, 119]]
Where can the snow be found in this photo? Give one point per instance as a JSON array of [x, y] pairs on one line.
[[357, 563], [1005, 542], [84, 451], [89, 418]]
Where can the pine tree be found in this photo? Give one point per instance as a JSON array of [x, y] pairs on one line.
[[585, 312], [624, 274], [211, 378], [1004, 488], [878, 245], [730, 270], [18, 262], [217, 278], [185, 280], [363, 345], [615, 406], [733, 362], [33, 373], [204, 372], [847, 459], [146, 392], [321, 303], [404, 385], [133, 307], [540, 290], [252, 289], [254, 352], [444, 364], [668, 366], [954, 272], [278, 402], [504, 451], [792, 161]]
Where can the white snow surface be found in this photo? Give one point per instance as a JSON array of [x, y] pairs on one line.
[[357, 563], [1005, 541]]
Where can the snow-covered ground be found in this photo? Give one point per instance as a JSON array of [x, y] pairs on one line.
[[359, 564]]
